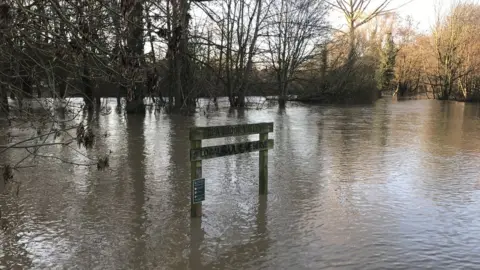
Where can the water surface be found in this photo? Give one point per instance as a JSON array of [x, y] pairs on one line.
[[390, 186]]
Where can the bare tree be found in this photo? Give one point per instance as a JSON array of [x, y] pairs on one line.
[[5, 19], [357, 13], [240, 23], [408, 71], [295, 28], [53, 48], [450, 41]]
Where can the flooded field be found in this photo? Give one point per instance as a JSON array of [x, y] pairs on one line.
[[390, 186]]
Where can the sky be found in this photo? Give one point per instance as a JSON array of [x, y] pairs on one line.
[[422, 11]]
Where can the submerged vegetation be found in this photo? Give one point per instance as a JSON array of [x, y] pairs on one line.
[[175, 52], [178, 51]]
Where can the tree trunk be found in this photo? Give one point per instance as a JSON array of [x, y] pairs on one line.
[[178, 82], [241, 98], [324, 68], [172, 78], [180, 69], [87, 86], [62, 84], [98, 100], [282, 88], [26, 84], [282, 102], [119, 98], [446, 88], [352, 45], [134, 63], [4, 99], [189, 95]]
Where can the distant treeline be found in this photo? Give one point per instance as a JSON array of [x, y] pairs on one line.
[[235, 48]]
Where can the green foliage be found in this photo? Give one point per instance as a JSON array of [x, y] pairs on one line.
[[386, 70], [361, 86], [346, 84]]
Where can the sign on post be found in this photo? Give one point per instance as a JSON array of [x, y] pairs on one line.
[[229, 149], [197, 154], [198, 190]]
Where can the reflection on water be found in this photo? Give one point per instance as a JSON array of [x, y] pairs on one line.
[[394, 185]]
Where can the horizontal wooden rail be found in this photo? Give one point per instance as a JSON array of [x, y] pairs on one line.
[[229, 149], [202, 133]]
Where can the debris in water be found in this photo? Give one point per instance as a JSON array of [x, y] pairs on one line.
[[85, 137], [80, 134], [103, 163], [7, 174], [89, 138]]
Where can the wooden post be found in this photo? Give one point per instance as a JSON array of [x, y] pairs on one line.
[[195, 173], [199, 153], [263, 166]]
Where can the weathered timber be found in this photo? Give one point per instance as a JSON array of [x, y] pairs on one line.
[[202, 133], [263, 166], [197, 154]]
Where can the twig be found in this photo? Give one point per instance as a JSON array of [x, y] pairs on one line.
[[63, 160], [34, 145]]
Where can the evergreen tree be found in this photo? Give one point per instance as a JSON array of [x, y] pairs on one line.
[[386, 71]]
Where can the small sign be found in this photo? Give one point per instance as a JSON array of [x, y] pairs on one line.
[[198, 187], [229, 149]]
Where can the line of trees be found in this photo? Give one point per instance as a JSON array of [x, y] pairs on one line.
[[443, 63], [176, 51]]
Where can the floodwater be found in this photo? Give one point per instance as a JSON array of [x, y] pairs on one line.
[[390, 186]]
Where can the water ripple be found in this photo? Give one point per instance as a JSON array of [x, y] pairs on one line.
[[390, 186]]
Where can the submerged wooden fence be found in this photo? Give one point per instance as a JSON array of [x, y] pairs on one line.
[[199, 153]]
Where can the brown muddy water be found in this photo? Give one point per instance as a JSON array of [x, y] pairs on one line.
[[390, 186]]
